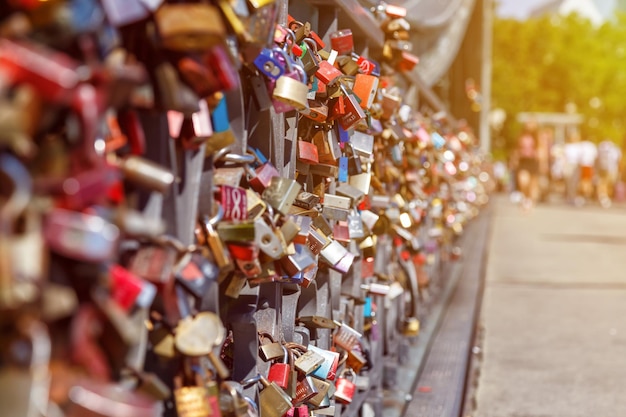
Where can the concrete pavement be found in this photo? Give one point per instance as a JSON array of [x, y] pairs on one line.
[[553, 314]]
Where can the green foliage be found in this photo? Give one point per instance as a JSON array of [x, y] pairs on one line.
[[539, 65]]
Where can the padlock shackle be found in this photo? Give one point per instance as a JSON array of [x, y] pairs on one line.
[[310, 42]]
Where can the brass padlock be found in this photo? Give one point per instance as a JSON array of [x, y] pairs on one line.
[[281, 193], [189, 26], [269, 351], [273, 401], [291, 92]]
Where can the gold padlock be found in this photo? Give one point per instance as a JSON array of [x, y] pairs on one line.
[[292, 92], [185, 27]]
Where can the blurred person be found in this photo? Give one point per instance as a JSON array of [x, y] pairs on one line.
[[607, 163], [588, 155], [571, 169], [557, 165], [526, 163], [620, 185], [544, 144], [500, 174]]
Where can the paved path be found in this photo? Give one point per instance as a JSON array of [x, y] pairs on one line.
[[553, 315]]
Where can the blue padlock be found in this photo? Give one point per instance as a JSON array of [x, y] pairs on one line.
[[343, 169], [269, 64]]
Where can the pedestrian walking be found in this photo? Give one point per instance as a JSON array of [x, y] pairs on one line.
[[609, 157], [571, 168], [526, 162], [588, 155]]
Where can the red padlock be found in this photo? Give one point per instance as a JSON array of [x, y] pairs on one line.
[[125, 286], [300, 411], [353, 113], [327, 73], [308, 152], [280, 372], [365, 88], [345, 388], [262, 176], [234, 201], [342, 41]]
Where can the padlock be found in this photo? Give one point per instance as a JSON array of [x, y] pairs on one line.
[[145, 173], [232, 402], [217, 247], [353, 113], [308, 361], [119, 14], [331, 360], [346, 337], [345, 387], [267, 238], [235, 22], [301, 30], [262, 176], [198, 277], [223, 135], [273, 401], [269, 351], [280, 372], [407, 61], [295, 229], [395, 25], [259, 91], [307, 152], [234, 201], [18, 120], [212, 73], [365, 87], [305, 390], [316, 111], [191, 401], [327, 73], [362, 144], [310, 59], [335, 213], [355, 360], [394, 11], [261, 20], [281, 193], [154, 263], [22, 254], [306, 200], [190, 26], [246, 258], [342, 41], [300, 411], [171, 92], [128, 290], [81, 236], [291, 88], [268, 64], [348, 65], [323, 388], [368, 66], [356, 228], [300, 261], [345, 263], [332, 200]]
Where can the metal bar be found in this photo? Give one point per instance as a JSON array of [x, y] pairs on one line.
[[485, 82]]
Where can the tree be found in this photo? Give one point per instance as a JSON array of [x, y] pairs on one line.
[[542, 64]]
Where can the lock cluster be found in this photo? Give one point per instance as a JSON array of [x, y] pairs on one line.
[[156, 259]]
